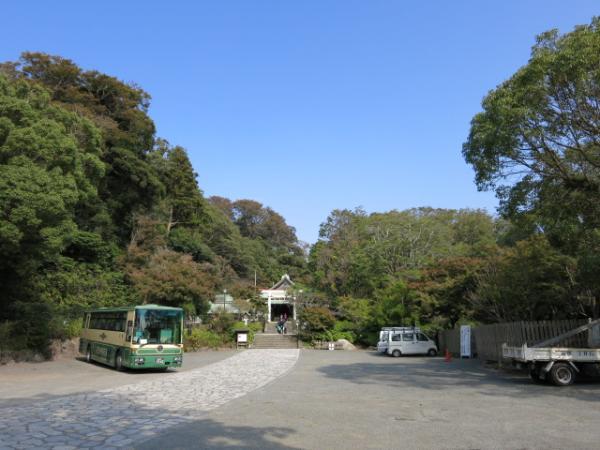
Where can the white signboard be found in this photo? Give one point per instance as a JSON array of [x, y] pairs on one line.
[[465, 341], [242, 337]]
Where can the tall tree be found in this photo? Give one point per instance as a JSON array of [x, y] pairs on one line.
[[537, 144], [119, 110]]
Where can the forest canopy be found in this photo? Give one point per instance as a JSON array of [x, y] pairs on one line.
[[97, 210], [95, 205]]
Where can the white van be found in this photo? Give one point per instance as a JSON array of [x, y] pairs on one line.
[[384, 336], [411, 342], [382, 344]]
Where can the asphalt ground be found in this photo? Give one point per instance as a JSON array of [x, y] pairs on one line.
[[344, 400]]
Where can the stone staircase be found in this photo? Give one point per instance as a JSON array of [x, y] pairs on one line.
[[290, 325], [271, 339]]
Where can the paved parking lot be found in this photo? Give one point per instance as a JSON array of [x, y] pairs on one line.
[[341, 400], [265, 399]]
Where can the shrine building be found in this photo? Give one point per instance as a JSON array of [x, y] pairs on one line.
[[280, 299]]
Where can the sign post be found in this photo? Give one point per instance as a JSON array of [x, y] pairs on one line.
[[465, 341], [241, 338]]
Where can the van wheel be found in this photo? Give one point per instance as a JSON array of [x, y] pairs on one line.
[[88, 354], [119, 361], [396, 353], [432, 352], [562, 374]]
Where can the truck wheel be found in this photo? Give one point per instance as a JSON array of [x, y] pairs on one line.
[[562, 374], [396, 353], [431, 352], [88, 354]]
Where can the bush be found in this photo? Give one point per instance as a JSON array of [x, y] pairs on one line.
[[222, 323], [316, 318], [31, 330], [5, 339], [64, 329], [344, 330], [200, 338]]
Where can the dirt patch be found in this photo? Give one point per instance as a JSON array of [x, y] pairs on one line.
[[64, 349], [58, 349]]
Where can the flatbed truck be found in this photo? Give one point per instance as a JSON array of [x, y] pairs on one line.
[[558, 364]]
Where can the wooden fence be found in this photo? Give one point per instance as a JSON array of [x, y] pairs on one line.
[[487, 340]]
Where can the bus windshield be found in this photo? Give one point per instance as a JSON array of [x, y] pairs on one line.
[[158, 326]]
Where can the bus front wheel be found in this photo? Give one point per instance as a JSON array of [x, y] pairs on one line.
[[118, 361]]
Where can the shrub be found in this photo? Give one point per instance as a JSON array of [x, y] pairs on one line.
[[200, 338], [64, 328], [316, 323], [222, 323], [344, 330], [31, 330]]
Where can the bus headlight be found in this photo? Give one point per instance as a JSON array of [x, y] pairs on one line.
[[177, 359], [139, 361]]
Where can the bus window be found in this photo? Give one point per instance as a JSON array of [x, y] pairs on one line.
[[110, 321], [158, 326]]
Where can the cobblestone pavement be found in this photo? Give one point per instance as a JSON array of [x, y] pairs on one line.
[[129, 414]]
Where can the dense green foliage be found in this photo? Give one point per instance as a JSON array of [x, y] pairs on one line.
[[536, 143], [220, 333], [413, 267], [95, 210]]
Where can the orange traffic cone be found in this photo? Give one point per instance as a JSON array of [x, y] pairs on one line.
[[448, 356]]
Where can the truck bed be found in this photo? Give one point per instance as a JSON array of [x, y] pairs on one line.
[[532, 354]]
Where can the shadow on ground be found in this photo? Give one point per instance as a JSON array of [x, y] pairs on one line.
[[210, 434], [436, 374], [107, 419], [127, 371]]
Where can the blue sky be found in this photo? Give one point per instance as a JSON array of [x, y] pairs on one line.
[[311, 105]]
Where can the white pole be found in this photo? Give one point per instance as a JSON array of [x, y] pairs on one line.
[[269, 308]]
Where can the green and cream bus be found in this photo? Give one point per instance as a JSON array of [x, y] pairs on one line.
[[137, 337]]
